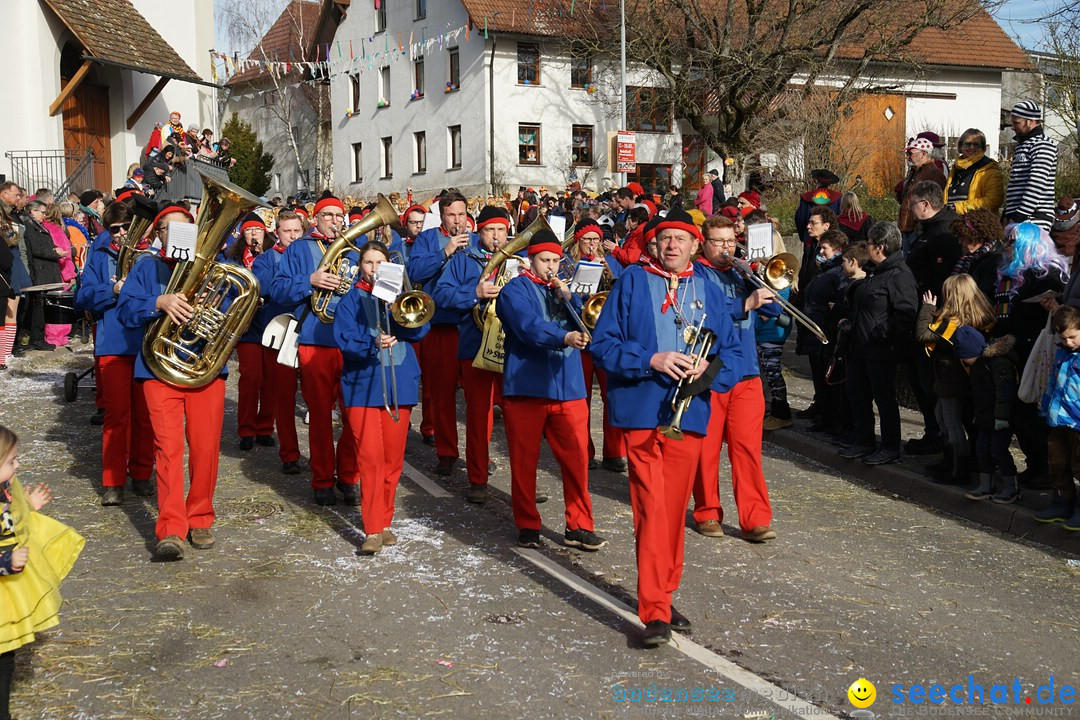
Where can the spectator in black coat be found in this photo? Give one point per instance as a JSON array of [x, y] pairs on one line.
[[979, 232], [44, 268], [935, 251], [818, 298]]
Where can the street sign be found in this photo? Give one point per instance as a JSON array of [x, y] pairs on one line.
[[625, 152]]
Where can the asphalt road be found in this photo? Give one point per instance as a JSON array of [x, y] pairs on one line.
[[283, 619]]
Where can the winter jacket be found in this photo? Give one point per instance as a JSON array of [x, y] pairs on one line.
[[994, 381], [823, 291], [1023, 320], [934, 253], [926, 171], [44, 262], [1030, 194], [704, 199], [883, 309], [775, 328], [856, 229], [983, 270], [717, 195], [7, 259], [950, 376], [975, 182], [1061, 403]]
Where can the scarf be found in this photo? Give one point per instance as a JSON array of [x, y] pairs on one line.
[[963, 265], [670, 298]]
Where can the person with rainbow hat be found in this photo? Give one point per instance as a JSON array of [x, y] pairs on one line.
[[820, 195]]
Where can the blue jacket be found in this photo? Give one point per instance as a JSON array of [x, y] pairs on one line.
[[266, 267], [538, 363], [96, 296], [632, 329], [291, 287], [135, 310], [454, 294], [361, 377], [254, 332], [426, 264], [1061, 402], [102, 240], [736, 289], [767, 328]]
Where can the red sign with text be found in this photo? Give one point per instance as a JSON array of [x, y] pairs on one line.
[[625, 152]]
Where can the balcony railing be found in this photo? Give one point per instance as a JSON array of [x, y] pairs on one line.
[[59, 170]]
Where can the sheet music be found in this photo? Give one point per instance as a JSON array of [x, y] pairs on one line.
[[182, 238], [586, 280], [431, 220], [558, 225], [759, 241], [389, 280], [514, 266]]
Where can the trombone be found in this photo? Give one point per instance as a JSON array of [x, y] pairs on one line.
[[698, 345], [779, 274], [553, 277], [413, 307], [386, 357]]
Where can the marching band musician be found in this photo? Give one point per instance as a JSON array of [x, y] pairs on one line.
[[254, 392], [459, 289], [589, 247], [127, 441], [281, 378], [320, 359], [544, 393], [738, 404], [640, 341], [362, 334], [440, 373], [196, 413]]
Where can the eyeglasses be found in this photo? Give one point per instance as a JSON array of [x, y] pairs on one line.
[[335, 216], [116, 229], [720, 243], [971, 144]]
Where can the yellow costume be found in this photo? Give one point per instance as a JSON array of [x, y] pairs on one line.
[[30, 599]]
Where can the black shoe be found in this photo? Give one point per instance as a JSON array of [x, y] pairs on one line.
[[112, 497], [325, 496], [246, 443], [291, 468], [656, 633], [926, 445], [18, 351], [429, 440], [492, 468], [350, 494], [43, 346], [584, 539], [445, 466], [820, 425], [854, 452], [593, 463], [529, 538], [98, 418], [808, 413], [882, 457], [477, 493], [265, 440], [679, 622], [614, 464], [142, 488]]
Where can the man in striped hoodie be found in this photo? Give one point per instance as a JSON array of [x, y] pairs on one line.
[[1030, 194]]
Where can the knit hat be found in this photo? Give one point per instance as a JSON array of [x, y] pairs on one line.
[[1065, 214], [696, 215], [648, 231], [588, 226], [409, 210], [714, 172], [933, 137], [542, 240], [752, 197], [636, 188], [968, 342], [680, 220], [329, 202], [88, 197], [1028, 110], [302, 211], [252, 220], [172, 209], [606, 220], [127, 194], [919, 143], [825, 177], [492, 215], [356, 214]]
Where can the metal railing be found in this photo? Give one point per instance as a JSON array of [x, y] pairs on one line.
[[60, 170], [185, 183]]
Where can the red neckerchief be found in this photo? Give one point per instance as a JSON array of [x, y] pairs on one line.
[[249, 257], [319, 238], [168, 260], [588, 258], [669, 298], [114, 246], [537, 279], [364, 285], [279, 247]]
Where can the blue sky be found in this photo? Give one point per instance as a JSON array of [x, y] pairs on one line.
[[1016, 17]]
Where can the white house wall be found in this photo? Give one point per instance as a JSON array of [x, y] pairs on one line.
[[249, 103], [977, 104]]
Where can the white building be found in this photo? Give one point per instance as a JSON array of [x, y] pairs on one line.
[[97, 75]]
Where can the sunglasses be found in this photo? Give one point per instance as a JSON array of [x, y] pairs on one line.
[[116, 229], [971, 144]]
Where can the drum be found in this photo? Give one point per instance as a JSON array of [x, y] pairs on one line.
[[59, 307]]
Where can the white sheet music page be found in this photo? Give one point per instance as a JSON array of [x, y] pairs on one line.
[[182, 241], [389, 280]]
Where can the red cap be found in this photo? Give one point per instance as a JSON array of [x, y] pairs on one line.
[[331, 202], [679, 220], [172, 209], [411, 209], [751, 197]]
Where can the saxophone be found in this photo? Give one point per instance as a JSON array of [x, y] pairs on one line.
[[192, 354]]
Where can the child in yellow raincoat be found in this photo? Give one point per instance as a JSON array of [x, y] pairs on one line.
[[36, 553]]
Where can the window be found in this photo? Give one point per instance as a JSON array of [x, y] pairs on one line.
[[455, 70], [455, 146], [580, 72], [380, 17], [647, 111], [418, 78], [421, 9], [657, 177], [384, 87], [420, 142], [528, 64], [581, 144], [354, 84], [357, 166], [387, 158], [529, 144]]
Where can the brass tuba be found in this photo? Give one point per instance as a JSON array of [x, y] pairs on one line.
[[336, 263], [129, 246], [192, 354]]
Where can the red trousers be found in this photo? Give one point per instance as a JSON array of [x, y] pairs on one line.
[[127, 440], [254, 392], [284, 380], [481, 387], [427, 422], [528, 420], [320, 384], [380, 444], [439, 376], [195, 414], [661, 476], [736, 418], [99, 399], [614, 444]]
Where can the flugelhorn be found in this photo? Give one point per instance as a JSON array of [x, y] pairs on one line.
[[224, 297], [336, 262], [698, 345]]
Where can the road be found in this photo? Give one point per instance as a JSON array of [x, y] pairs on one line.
[[283, 619]]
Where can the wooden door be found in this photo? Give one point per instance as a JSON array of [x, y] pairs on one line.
[[86, 126], [693, 157], [868, 139]]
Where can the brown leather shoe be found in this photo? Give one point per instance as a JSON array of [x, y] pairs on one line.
[[372, 544], [760, 534], [710, 528], [201, 538], [170, 547], [388, 538]]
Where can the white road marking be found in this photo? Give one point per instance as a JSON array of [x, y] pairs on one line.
[[422, 480]]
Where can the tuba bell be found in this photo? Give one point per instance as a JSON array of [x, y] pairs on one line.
[[192, 354], [337, 264]]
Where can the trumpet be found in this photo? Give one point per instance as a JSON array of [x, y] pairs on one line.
[[699, 344], [553, 277], [779, 274]]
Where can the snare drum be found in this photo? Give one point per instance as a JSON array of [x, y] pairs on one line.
[[60, 307]]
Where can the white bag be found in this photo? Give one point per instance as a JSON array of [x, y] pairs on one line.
[[283, 334], [1039, 367]]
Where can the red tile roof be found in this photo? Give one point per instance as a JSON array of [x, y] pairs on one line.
[[292, 37], [976, 42]]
